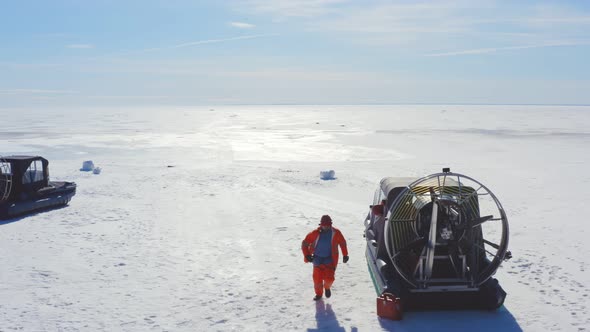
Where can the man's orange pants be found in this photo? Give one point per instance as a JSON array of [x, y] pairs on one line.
[[323, 277]]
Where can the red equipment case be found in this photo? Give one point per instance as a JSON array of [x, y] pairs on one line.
[[389, 306]]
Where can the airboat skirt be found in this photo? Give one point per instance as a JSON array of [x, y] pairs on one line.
[[488, 296], [52, 199]]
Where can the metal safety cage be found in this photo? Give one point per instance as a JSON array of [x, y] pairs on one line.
[[446, 231]]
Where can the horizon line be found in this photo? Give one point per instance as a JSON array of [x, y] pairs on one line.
[[295, 104]]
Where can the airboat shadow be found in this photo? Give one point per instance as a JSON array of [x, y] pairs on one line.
[[441, 321], [30, 214], [11, 220], [326, 319]]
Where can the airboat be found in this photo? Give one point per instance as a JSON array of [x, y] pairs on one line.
[[25, 186], [436, 242]]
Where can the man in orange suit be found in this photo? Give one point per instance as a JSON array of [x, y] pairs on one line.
[[320, 247]]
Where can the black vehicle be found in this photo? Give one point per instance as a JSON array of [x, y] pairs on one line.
[[25, 186], [435, 242]]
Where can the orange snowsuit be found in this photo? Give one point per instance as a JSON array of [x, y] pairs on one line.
[[323, 275]]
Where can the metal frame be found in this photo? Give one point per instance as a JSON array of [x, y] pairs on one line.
[[5, 179], [422, 278]]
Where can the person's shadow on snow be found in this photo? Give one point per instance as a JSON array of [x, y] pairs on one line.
[[325, 318]]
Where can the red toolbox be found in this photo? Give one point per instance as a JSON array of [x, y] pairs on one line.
[[389, 306]]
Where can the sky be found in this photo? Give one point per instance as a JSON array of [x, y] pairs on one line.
[[115, 53]]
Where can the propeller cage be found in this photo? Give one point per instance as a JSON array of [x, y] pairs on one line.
[[446, 230]]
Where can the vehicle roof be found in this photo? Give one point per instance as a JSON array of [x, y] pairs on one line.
[[20, 157], [393, 186], [391, 182]]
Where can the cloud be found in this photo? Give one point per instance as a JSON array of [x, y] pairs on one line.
[[291, 8], [80, 46], [30, 65], [241, 25], [35, 92], [374, 22], [116, 97], [302, 74], [546, 15], [187, 44], [419, 26], [498, 49], [221, 40]]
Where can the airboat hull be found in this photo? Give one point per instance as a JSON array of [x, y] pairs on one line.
[[489, 296], [52, 197]]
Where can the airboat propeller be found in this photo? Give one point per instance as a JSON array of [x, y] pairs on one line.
[[445, 232]]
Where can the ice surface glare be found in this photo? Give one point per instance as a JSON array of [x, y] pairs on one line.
[[304, 145], [196, 221]]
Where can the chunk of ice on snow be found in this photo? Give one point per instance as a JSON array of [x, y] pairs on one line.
[[87, 166], [327, 175]]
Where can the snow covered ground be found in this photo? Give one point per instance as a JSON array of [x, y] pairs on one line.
[[196, 221]]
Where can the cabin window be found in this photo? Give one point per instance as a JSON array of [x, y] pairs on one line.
[[34, 173], [376, 197], [5, 168]]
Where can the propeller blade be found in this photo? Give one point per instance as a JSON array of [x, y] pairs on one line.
[[415, 244], [495, 246], [481, 220]]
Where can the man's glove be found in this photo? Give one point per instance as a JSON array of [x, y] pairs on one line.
[[309, 258], [344, 259]]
